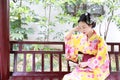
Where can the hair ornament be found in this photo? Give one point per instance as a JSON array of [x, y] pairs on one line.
[[86, 13]]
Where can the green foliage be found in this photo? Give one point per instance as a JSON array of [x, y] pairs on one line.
[[110, 16], [117, 20], [59, 36], [63, 17], [66, 16], [20, 33], [20, 15]]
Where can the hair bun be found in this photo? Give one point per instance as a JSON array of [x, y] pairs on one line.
[[86, 17]]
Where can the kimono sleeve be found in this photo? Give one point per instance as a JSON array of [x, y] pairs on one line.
[[101, 57], [71, 50]]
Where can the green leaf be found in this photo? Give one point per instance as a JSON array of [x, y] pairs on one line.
[[17, 36]]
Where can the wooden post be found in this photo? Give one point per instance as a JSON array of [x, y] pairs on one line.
[[4, 40]]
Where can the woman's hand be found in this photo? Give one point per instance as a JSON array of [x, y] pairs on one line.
[[68, 36], [77, 28], [83, 64]]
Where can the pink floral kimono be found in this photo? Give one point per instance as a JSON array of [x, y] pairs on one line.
[[94, 52]]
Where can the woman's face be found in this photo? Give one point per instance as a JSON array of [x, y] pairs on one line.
[[84, 28]]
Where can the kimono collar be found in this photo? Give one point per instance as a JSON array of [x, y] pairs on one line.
[[93, 36]]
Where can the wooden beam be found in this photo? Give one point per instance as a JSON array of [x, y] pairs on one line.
[[4, 39]]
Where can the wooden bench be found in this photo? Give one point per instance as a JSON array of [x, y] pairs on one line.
[[47, 71], [35, 50], [114, 54]]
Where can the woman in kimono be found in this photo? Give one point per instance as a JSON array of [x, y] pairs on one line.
[[95, 61]]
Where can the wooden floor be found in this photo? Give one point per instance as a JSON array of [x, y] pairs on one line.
[[114, 76]]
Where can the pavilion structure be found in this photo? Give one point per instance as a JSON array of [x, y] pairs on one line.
[[6, 48]]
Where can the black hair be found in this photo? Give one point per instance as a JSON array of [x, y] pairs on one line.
[[86, 17]]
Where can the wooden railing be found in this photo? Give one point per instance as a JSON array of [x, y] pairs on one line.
[[20, 48], [56, 66], [114, 54]]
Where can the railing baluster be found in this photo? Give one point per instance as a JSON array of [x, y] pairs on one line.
[[33, 63], [117, 60], [24, 64], [110, 63], [11, 46], [15, 62], [42, 62], [119, 47], [51, 62], [110, 58], [68, 66], [117, 63], [112, 48], [60, 62], [20, 47]]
